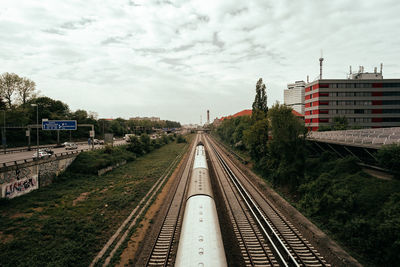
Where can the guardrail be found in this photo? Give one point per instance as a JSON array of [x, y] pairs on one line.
[[32, 148], [382, 136], [54, 156]]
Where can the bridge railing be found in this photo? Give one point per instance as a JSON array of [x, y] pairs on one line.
[[378, 136]]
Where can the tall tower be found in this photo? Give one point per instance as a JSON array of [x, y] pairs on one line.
[[208, 116], [320, 66]]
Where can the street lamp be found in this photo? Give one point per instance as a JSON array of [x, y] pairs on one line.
[[37, 130]]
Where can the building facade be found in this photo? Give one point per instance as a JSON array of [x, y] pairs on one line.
[[145, 118], [293, 96], [365, 99]]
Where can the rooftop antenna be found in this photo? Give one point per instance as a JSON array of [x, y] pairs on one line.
[[381, 67], [208, 116], [350, 70], [308, 79], [320, 66]]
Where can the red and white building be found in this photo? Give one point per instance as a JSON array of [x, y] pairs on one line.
[[365, 99]]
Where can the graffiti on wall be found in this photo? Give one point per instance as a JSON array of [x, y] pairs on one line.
[[22, 180], [20, 187], [17, 174]]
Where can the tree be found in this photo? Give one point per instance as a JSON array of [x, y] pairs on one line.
[[256, 137], [285, 160], [26, 90], [9, 83], [340, 123], [389, 158], [260, 107]]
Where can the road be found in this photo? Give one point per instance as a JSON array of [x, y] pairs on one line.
[[18, 156]]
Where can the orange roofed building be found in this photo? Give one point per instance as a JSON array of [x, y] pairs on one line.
[[248, 112]]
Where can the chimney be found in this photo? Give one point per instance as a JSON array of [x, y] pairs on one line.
[[375, 69], [308, 79], [381, 67], [350, 69]]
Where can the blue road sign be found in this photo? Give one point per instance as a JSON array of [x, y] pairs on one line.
[[59, 125]]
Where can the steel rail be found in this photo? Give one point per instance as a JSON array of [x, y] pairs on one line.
[[288, 259], [284, 222], [235, 220], [169, 226]]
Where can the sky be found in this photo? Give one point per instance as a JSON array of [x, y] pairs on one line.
[[176, 59]]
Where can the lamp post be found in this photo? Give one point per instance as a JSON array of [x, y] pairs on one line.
[[4, 139], [37, 130]]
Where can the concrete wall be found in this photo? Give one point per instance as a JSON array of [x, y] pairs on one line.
[[21, 179]]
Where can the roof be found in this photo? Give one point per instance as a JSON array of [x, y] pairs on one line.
[[245, 112], [248, 112], [297, 114]]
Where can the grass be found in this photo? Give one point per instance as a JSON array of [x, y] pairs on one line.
[[67, 223]]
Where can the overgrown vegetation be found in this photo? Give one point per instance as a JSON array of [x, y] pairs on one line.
[[358, 210], [68, 222], [389, 158]]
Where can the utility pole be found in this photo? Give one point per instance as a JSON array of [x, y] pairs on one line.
[[37, 130], [4, 139]]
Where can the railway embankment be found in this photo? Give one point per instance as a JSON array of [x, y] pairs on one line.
[[354, 208], [68, 222]]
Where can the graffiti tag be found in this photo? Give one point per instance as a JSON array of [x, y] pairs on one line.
[[20, 187]]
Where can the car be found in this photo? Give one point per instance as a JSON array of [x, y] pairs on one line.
[[69, 146], [47, 150], [64, 144], [42, 154]]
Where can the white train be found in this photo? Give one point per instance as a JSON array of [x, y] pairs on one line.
[[200, 243]]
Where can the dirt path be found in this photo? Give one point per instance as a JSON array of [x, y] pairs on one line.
[[129, 252]]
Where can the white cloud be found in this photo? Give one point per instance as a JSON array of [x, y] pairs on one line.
[[176, 59]]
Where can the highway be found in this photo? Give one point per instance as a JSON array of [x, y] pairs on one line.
[[20, 156]]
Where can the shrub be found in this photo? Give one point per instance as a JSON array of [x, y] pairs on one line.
[[389, 158], [181, 139]]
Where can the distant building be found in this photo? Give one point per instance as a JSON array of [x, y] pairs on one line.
[[365, 99], [247, 112], [145, 118], [294, 96]]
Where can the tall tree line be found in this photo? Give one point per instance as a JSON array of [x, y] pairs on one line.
[[18, 93]]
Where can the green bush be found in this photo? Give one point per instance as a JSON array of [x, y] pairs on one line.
[[91, 161], [361, 210], [180, 139], [136, 146], [389, 158]]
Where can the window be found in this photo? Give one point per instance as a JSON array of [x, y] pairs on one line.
[[391, 111], [391, 93], [362, 93], [362, 111], [363, 103], [391, 102]]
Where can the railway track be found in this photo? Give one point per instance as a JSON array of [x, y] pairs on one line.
[[164, 249], [265, 236], [114, 243]]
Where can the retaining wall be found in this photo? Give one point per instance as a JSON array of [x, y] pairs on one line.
[[20, 179]]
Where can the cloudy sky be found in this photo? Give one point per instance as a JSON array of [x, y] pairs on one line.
[[176, 59]]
